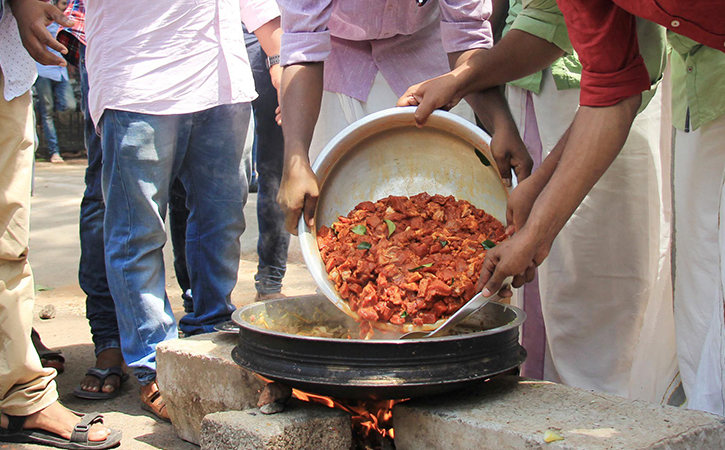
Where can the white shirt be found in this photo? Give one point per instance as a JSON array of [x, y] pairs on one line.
[[163, 58], [17, 66]]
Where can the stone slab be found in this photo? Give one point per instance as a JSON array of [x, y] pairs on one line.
[[302, 426], [511, 413], [198, 376]]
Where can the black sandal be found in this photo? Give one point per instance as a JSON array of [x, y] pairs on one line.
[[101, 374], [78, 441]]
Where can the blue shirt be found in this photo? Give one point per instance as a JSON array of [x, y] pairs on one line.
[[55, 73]]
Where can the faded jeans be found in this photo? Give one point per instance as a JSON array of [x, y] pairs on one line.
[[142, 155], [53, 96]]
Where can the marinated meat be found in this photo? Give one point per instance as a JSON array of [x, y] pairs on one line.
[[408, 260]]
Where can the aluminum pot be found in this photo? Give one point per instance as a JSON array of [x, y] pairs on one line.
[[387, 154]]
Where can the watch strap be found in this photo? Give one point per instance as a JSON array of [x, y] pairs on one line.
[[272, 60]]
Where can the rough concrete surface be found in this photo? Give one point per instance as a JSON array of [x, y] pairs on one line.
[[302, 426], [510, 413], [54, 256], [198, 376]]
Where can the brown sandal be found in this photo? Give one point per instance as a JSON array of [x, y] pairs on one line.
[[153, 402]]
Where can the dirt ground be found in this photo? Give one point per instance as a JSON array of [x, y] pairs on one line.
[[54, 256]]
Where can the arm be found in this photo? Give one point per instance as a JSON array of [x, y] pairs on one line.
[[613, 77], [298, 192], [594, 139], [498, 18], [306, 43], [269, 36], [518, 54], [33, 16]]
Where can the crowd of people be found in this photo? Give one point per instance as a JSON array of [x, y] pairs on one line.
[[609, 131]]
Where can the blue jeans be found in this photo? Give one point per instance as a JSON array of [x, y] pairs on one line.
[[53, 96], [100, 308], [273, 241], [142, 155]]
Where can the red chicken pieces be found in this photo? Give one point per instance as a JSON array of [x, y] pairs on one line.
[[406, 259]]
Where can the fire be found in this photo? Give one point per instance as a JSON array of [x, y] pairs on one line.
[[372, 420]]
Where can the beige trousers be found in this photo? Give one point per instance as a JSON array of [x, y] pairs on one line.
[[25, 386], [337, 111], [605, 288]]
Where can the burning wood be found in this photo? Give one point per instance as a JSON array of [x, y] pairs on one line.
[[372, 420]]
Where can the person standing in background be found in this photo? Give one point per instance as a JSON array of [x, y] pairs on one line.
[[698, 148], [175, 102], [273, 240], [55, 94], [104, 379]]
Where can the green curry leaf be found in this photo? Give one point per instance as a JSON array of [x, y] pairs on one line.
[[364, 245], [359, 229]]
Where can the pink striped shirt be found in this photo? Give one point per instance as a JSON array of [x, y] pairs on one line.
[[356, 38]]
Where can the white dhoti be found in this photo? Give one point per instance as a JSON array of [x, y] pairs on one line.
[[698, 177], [337, 111], [605, 288]]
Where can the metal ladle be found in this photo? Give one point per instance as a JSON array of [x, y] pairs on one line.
[[477, 302]]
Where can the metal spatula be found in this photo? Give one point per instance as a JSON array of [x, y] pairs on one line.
[[477, 302]]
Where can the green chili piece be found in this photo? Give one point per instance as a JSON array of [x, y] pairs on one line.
[[488, 244], [391, 226]]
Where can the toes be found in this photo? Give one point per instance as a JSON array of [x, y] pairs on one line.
[[90, 384], [113, 382]]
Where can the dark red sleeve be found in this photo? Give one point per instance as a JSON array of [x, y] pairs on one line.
[[605, 39]]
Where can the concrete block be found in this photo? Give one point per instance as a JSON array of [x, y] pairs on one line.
[[302, 426], [511, 413], [198, 376]]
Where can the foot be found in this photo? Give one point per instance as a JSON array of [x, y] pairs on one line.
[[55, 158], [48, 358], [153, 402], [59, 420], [107, 358], [262, 297]]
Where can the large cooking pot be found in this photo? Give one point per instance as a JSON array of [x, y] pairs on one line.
[[383, 367], [387, 154]]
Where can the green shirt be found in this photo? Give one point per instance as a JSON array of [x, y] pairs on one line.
[[543, 19], [698, 82]]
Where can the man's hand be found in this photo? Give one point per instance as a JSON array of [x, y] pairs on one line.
[[510, 154], [517, 257], [275, 74], [33, 17], [298, 193], [439, 92]]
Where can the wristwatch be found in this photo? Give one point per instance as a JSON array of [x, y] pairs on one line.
[[272, 60]]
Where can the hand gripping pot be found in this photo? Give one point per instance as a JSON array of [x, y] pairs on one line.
[[387, 154]]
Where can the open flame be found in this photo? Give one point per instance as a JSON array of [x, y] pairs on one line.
[[372, 420]]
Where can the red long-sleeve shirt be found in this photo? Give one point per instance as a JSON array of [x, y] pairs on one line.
[[604, 35]]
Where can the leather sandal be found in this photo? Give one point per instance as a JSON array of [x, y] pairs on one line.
[[15, 433], [153, 402]]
